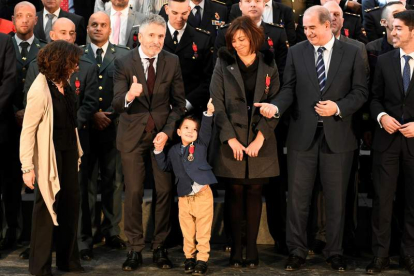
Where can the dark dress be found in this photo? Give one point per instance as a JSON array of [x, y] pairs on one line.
[[44, 233]]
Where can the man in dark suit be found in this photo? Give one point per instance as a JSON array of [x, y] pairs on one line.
[[194, 48], [149, 95], [275, 36], [208, 15], [102, 145], [50, 14], [280, 14], [7, 88], [26, 46], [392, 106], [325, 83]]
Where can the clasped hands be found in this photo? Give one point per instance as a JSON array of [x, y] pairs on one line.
[[391, 125], [252, 150]]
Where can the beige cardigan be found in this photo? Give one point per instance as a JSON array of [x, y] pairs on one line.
[[37, 150]]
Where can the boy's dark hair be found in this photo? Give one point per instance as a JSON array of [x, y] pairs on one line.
[[191, 118], [407, 17]]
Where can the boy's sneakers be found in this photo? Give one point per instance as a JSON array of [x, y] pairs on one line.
[[200, 268], [189, 265]]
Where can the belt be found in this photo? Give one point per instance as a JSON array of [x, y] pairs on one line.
[[320, 124]]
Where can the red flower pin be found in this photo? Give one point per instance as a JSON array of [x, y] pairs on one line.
[[195, 49], [135, 39], [191, 152], [77, 85], [270, 43], [346, 32], [267, 84]]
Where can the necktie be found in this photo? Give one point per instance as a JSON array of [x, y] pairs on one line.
[[197, 16], [406, 73], [48, 27], [24, 46], [99, 52], [64, 5], [175, 38], [150, 84], [117, 28], [320, 69]]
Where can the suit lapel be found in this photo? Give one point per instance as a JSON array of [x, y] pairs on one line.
[[108, 58], [334, 64], [159, 73], [91, 54], [235, 71], [207, 15], [262, 71], [276, 13], [309, 60], [140, 74], [130, 23], [34, 49], [396, 63], [185, 40], [168, 42], [17, 50], [39, 26]]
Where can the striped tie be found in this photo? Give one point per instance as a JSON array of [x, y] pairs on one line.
[[320, 69]]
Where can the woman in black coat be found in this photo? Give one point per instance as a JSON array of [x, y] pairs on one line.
[[243, 149]]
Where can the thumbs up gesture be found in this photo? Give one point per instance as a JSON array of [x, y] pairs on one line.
[[210, 107], [135, 90]]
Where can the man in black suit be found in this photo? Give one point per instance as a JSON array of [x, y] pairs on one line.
[[275, 35], [278, 14], [50, 14], [7, 88], [392, 106], [208, 15], [325, 83], [193, 46], [149, 95], [103, 151]]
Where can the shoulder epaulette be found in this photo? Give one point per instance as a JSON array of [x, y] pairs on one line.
[[225, 26], [82, 46], [275, 25], [218, 2], [353, 14], [122, 47], [373, 9], [203, 31], [85, 59]]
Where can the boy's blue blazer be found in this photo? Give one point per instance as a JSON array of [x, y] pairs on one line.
[[187, 172]]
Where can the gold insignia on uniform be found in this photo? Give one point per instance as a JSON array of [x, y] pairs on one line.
[[38, 45], [23, 58], [217, 16], [113, 49], [86, 50], [287, 44]]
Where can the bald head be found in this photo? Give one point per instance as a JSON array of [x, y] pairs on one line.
[[99, 28], [24, 4], [63, 29], [24, 19], [337, 17]]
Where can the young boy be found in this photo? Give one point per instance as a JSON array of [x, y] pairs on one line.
[[193, 174]]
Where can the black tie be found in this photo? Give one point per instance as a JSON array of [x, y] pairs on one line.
[[99, 52], [175, 38], [24, 46], [197, 16], [150, 84]]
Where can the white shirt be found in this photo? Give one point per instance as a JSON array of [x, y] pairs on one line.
[[180, 32], [194, 10], [45, 18], [268, 12], [402, 61], [104, 49], [327, 54], [18, 41], [145, 64], [122, 30]]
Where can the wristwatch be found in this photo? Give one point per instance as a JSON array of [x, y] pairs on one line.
[[26, 171]]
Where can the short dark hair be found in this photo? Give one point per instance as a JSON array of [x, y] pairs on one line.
[[384, 12], [57, 59], [254, 34], [407, 17], [190, 118]]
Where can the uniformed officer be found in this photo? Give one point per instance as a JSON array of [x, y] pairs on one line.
[[275, 35], [85, 84], [26, 46], [208, 15], [194, 48], [102, 144]]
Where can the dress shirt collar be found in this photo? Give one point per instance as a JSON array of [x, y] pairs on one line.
[[402, 53], [172, 30], [124, 12], [144, 56], [328, 46], [104, 48], [192, 5], [45, 12], [269, 3], [18, 40]]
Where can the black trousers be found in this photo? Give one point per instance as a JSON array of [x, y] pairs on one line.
[[133, 165], [334, 170], [385, 171], [44, 233]]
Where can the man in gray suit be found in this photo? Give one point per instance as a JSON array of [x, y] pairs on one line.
[[124, 23]]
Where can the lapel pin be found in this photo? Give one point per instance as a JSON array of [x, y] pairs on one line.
[[267, 84], [195, 49], [270, 43], [113, 49], [24, 58], [191, 152], [86, 51], [77, 86]]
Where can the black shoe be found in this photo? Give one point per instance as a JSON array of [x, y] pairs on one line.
[[25, 254], [86, 254], [408, 263], [189, 265], [133, 261], [294, 262], [252, 263], [377, 265], [337, 262], [78, 269], [160, 258], [227, 248], [235, 263], [115, 242], [7, 243], [317, 247], [200, 268]]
